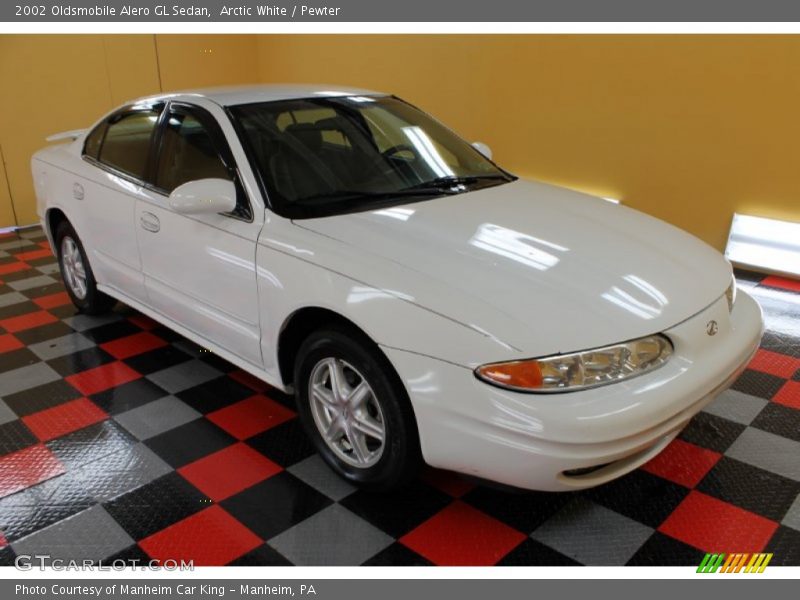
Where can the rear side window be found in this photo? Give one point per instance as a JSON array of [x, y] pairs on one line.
[[94, 141], [126, 144]]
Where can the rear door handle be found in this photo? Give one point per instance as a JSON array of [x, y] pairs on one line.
[[149, 222]]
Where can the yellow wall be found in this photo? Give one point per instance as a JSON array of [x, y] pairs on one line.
[[53, 83], [6, 210], [687, 128], [188, 61]]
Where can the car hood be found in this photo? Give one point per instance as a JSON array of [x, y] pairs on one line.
[[541, 268]]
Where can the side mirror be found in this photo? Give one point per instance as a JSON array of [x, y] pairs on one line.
[[203, 196], [483, 149]]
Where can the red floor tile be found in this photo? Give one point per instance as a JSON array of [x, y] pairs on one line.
[[782, 282], [13, 267], [229, 471], [774, 363], [683, 463], [52, 300], [65, 418], [44, 244], [34, 254], [250, 416], [789, 395], [24, 468], [8, 342], [102, 378], [716, 526], [211, 537], [462, 535], [143, 322], [27, 321], [133, 344]]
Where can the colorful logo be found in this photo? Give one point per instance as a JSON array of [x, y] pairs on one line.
[[734, 563]]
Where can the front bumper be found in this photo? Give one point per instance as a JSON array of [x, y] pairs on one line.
[[530, 441]]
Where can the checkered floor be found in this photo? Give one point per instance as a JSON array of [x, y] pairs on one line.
[[120, 439]]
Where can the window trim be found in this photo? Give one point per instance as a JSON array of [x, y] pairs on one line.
[[214, 129], [115, 116]]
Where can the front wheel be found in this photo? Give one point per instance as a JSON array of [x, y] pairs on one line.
[[355, 410], [77, 274]]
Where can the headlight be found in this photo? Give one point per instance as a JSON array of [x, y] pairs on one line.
[[580, 370], [730, 294]]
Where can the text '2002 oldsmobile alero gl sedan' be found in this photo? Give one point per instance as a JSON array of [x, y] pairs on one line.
[[421, 302]]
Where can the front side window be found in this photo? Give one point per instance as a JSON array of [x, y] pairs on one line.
[[323, 156], [126, 144], [188, 153]]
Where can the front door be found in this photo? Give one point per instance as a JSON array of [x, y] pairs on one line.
[[199, 270]]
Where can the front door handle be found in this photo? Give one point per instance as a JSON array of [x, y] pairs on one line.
[[149, 222]]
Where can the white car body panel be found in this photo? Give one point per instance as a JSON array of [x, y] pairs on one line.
[[515, 271]]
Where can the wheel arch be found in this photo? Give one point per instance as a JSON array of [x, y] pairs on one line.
[[299, 325], [53, 218]]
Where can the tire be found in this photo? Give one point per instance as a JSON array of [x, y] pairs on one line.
[[77, 273], [359, 457]]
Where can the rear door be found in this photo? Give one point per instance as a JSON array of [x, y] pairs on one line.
[[200, 270], [117, 154]]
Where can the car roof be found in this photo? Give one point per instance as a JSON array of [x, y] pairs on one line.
[[247, 94]]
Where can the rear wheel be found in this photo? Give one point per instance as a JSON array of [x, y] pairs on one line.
[[355, 410], [77, 274]]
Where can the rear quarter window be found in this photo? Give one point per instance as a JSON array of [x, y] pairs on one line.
[[94, 141], [126, 144]]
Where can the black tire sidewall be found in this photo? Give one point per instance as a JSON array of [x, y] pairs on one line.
[[400, 456]]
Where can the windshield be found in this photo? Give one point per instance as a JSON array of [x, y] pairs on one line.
[[323, 156]]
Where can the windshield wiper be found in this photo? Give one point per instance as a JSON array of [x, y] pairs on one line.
[[357, 195], [453, 181]]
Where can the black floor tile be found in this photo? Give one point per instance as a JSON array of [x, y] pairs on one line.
[[711, 432], [18, 309], [758, 384], [524, 511], [263, 556], [15, 436], [16, 359], [780, 420], [156, 505], [533, 553], [41, 397], [785, 545], [91, 443], [215, 394], [399, 512], [640, 496], [187, 443], [751, 488], [77, 362], [663, 551], [128, 396], [43, 333], [111, 331], [274, 505], [156, 360], [397, 555], [284, 444]]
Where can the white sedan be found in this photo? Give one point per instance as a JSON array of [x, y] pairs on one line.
[[421, 302]]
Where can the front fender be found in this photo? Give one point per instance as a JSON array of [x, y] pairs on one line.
[[287, 283]]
